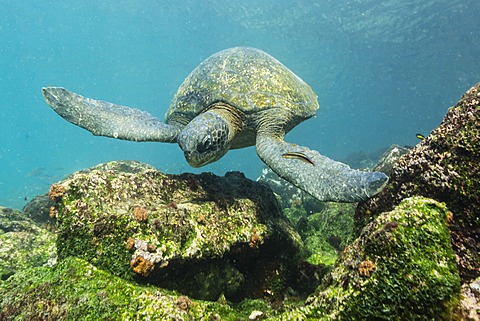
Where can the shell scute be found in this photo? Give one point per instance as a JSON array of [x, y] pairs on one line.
[[246, 78]]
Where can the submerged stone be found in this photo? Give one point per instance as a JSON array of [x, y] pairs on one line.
[[325, 233], [389, 158], [444, 166], [77, 290], [402, 267], [288, 194], [23, 244], [469, 307], [176, 231], [38, 209]]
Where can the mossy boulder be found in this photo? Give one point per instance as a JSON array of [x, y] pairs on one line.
[[77, 290], [444, 166], [203, 235], [38, 210], [402, 267], [325, 233], [23, 244]]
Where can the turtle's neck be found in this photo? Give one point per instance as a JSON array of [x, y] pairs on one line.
[[234, 117]]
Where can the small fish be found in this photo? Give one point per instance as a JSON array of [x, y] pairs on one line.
[[300, 156], [420, 136]]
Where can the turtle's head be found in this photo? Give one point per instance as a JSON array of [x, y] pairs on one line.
[[205, 139]]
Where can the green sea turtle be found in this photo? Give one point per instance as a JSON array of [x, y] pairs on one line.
[[236, 98]]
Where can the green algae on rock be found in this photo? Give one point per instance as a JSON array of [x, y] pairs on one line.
[[444, 166], [402, 267], [77, 290], [324, 233], [170, 230], [23, 244]]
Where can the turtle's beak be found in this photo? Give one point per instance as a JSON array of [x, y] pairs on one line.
[[194, 161]]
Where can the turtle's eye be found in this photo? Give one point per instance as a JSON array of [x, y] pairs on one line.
[[205, 146]]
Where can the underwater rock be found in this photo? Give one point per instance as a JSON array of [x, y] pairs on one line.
[[175, 231], [470, 304], [364, 160], [402, 267], [124, 166], [325, 233], [77, 290], [389, 158], [444, 166], [38, 209], [23, 244]]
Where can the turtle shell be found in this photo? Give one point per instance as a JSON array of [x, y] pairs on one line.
[[246, 78]]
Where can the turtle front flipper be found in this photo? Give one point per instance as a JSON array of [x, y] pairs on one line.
[[106, 119], [320, 176]]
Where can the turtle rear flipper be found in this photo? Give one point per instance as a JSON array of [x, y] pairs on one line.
[[320, 176], [107, 119]]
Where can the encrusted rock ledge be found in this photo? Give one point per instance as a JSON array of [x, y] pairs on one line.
[[401, 267], [203, 235], [444, 166]]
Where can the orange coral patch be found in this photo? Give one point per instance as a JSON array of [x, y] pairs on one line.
[[142, 266], [140, 213], [56, 191], [366, 268]]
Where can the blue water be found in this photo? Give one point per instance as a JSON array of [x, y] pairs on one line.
[[383, 71]]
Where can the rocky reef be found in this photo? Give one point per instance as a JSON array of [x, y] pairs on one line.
[[401, 267], [444, 166], [76, 290], [23, 244], [288, 195], [134, 243], [203, 235], [324, 233]]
